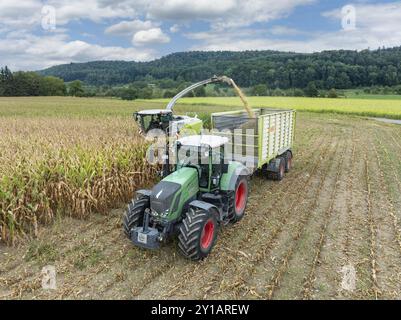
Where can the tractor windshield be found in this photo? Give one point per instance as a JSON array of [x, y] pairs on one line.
[[192, 156], [149, 122], [196, 157]]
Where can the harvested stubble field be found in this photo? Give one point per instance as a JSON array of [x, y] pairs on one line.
[[339, 207]]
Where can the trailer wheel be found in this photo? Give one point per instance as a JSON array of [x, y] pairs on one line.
[[197, 234], [281, 169], [133, 217], [288, 161], [240, 199]]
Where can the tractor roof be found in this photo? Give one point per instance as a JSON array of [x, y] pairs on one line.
[[209, 140], [154, 111]]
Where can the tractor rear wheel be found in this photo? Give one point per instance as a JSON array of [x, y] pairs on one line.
[[240, 199], [197, 234], [133, 217]]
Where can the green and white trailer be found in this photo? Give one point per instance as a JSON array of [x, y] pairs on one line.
[[261, 143]]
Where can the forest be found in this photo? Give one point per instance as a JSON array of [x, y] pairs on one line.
[[260, 73], [340, 69]]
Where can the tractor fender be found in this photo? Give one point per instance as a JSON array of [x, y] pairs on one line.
[[144, 193], [207, 207], [239, 172]]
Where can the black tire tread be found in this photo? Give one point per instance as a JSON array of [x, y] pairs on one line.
[[134, 214], [190, 232]]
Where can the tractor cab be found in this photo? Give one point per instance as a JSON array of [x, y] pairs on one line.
[[205, 153], [153, 119]]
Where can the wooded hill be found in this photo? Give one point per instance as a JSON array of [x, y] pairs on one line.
[[329, 69]]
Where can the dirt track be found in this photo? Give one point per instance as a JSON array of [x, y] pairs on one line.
[[339, 207]]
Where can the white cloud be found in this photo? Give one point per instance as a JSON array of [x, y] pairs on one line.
[[377, 25], [130, 27], [18, 14], [174, 28], [151, 36], [93, 10], [32, 52], [233, 25], [188, 10], [224, 13]]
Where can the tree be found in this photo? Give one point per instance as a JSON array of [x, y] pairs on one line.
[[311, 90], [52, 86], [75, 89], [200, 91], [145, 93], [129, 93], [298, 93], [26, 84], [332, 94], [259, 90], [6, 82]]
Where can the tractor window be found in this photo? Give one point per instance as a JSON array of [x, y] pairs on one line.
[[145, 122], [204, 166], [216, 166], [197, 157], [150, 122]]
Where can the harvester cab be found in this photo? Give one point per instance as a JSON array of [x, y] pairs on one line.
[[153, 119]]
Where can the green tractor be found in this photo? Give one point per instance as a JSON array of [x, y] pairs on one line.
[[201, 194]]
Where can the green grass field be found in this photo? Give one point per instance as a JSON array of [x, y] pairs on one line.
[[386, 108], [98, 107]]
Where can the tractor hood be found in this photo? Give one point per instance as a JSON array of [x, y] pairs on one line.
[[169, 195], [163, 195]]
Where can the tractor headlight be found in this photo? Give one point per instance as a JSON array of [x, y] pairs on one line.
[[165, 213], [153, 213]]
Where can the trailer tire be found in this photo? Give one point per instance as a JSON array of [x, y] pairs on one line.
[[197, 234], [288, 161], [133, 217], [279, 175], [239, 199]]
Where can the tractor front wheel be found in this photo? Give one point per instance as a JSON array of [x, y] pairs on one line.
[[197, 234], [133, 217]]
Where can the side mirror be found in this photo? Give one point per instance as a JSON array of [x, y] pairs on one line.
[[224, 168]]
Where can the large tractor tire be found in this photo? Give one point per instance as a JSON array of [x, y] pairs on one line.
[[288, 161], [197, 234], [133, 217], [240, 199]]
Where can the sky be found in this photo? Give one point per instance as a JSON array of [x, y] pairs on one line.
[[36, 34]]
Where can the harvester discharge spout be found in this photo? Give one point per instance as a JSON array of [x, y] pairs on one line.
[[214, 79]]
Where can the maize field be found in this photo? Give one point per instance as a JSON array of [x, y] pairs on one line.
[[53, 166], [330, 230]]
